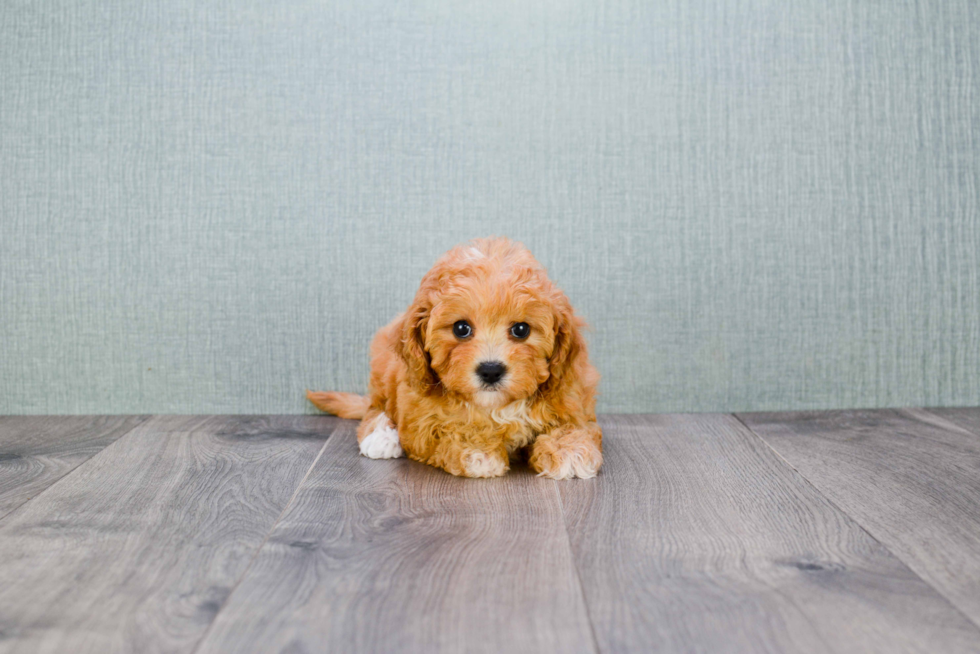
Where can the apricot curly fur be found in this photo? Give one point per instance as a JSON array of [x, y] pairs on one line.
[[423, 378]]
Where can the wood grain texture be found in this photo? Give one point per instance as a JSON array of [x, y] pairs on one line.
[[967, 418], [37, 451], [138, 548], [912, 479], [696, 537], [395, 556]]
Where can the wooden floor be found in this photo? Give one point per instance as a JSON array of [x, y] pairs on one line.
[[855, 531]]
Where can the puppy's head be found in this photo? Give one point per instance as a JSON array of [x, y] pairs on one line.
[[489, 326]]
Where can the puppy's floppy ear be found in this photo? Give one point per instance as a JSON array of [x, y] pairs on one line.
[[569, 343], [413, 351]]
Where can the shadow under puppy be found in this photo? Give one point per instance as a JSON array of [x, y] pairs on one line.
[[487, 363]]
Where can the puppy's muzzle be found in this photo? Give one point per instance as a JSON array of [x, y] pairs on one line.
[[491, 372]]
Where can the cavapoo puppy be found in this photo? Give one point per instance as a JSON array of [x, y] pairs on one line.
[[488, 363]]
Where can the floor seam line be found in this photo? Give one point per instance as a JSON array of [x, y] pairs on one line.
[[946, 422], [265, 540], [80, 464], [860, 524], [578, 574]]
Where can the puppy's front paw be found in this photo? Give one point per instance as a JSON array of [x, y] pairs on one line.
[[574, 454], [483, 464], [383, 442]]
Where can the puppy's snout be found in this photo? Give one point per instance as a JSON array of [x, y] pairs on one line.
[[491, 371]]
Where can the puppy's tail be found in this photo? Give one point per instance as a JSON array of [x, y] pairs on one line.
[[345, 405]]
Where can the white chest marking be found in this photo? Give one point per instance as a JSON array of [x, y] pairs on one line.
[[517, 413]]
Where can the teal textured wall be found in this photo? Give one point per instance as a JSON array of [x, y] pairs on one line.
[[209, 207]]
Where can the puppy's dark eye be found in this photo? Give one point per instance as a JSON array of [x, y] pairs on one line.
[[520, 330], [462, 329]]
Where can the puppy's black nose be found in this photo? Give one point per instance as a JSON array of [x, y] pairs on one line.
[[491, 371]]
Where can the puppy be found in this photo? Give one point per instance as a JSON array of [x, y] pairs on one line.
[[487, 364]]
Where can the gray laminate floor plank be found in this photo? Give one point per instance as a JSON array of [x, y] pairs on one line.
[[696, 537], [967, 418], [396, 556], [910, 478], [138, 548], [37, 451]]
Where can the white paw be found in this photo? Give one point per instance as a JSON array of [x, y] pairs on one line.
[[577, 467], [582, 462], [383, 442], [481, 464]]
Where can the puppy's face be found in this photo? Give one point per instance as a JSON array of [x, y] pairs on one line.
[[490, 343], [488, 324]]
